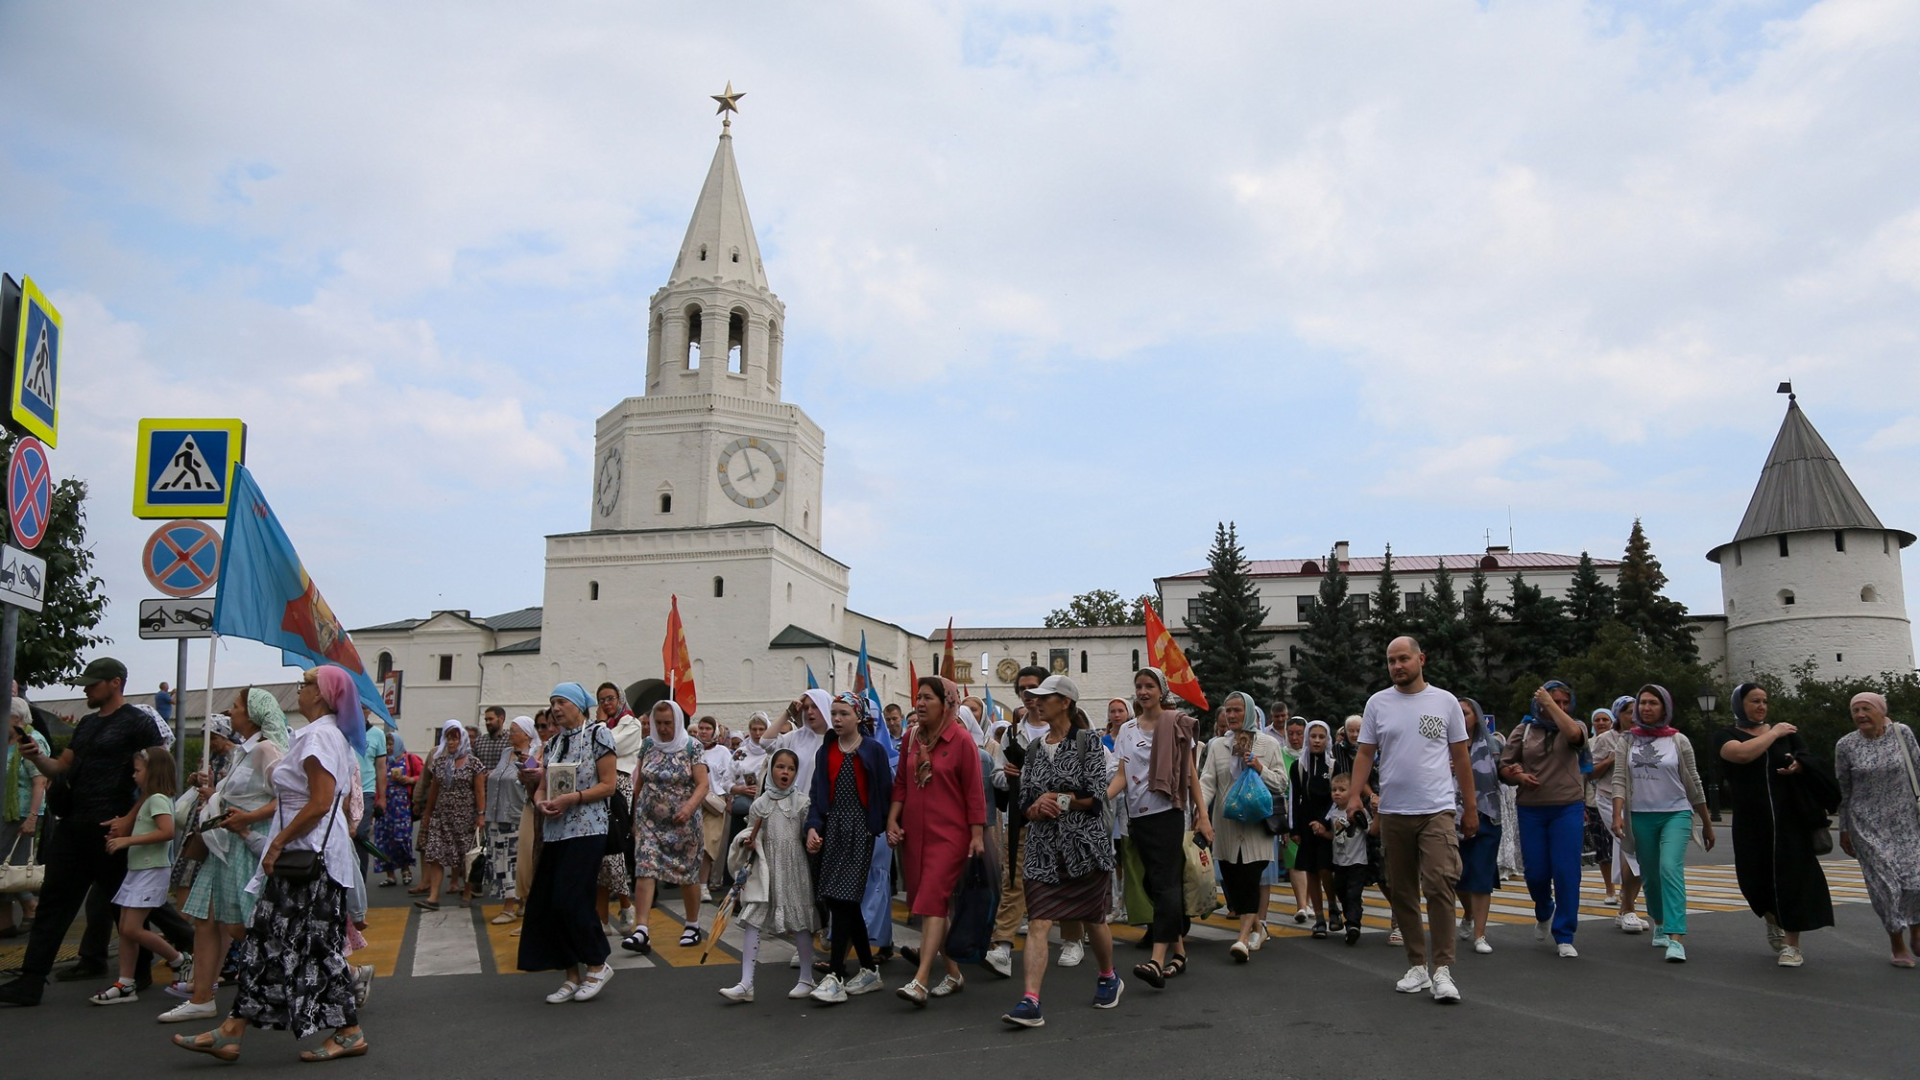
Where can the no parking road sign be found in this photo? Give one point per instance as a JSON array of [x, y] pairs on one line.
[[29, 491], [182, 558], [184, 468]]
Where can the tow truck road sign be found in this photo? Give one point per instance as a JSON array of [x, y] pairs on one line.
[[176, 618], [23, 578]]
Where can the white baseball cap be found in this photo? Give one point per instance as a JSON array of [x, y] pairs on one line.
[[1058, 684]]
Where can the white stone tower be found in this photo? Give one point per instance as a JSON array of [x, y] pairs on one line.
[[1811, 574]]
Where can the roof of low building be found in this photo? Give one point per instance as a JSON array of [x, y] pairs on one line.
[[526, 618], [1492, 559]]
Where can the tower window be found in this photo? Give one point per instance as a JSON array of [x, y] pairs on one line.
[[694, 330], [789, 592], [736, 254], [719, 587], [593, 590], [1136, 659], [385, 667], [1839, 658], [1786, 597], [666, 502], [446, 668], [737, 343], [1736, 555], [1869, 595], [703, 253], [1839, 540], [1783, 545]]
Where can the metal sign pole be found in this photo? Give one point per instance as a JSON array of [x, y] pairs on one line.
[[9, 639], [206, 710], [180, 717]]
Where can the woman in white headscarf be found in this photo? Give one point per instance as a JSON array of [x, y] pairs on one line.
[[668, 786], [1244, 848], [1312, 797], [456, 799], [506, 801]]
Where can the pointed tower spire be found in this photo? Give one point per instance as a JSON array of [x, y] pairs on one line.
[[1802, 487], [720, 244]]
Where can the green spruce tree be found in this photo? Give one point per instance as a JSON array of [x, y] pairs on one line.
[[1589, 606], [1639, 605], [1481, 638], [1227, 637], [1385, 620], [1442, 631], [1335, 667]]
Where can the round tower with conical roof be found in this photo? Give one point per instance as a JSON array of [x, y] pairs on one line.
[[1812, 574]]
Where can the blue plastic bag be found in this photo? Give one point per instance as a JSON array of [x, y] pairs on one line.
[[1248, 800]]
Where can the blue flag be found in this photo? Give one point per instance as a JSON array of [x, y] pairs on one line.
[[863, 685], [812, 683], [266, 596]]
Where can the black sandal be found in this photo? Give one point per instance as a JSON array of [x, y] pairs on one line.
[[1176, 964], [1149, 972]]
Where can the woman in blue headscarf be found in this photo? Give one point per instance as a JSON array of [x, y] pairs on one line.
[[1543, 760], [561, 930], [1779, 794]]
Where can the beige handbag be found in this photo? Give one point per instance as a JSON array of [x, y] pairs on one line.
[[29, 877]]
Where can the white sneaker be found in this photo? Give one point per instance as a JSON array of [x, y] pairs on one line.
[[830, 992], [1540, 929], [187, 1010], [1630, 923], [564, 994], [1304, 915], [1000, 959], [1466, 929], [1395, 937], [595, 981], [1790, 956], [794, 961], [1444, 991], [1415, 980], [800, 990], [1258, 939], [737, 992], [1480, 945], [864, 983], [1567, 951], [1072, 953]]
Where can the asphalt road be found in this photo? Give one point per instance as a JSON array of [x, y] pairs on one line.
[[1304, 1008]]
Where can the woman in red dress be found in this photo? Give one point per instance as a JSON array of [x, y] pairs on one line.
[[937, 821]]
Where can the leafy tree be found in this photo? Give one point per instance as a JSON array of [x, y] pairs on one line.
[[1589, 606], [1336, 668], [53, 642], [1227, 636], [1621, 662], [1638, 604], [1101, 607], [1442, 632], [1137, 611], [1385, 620]]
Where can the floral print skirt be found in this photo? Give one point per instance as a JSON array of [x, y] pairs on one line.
[[293, 968]]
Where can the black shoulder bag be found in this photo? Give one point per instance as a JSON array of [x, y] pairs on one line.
[[301, 864]]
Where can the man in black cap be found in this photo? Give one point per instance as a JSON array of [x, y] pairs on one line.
[[95, 797]]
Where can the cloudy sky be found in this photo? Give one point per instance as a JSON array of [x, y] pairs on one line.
[[1066, 283]]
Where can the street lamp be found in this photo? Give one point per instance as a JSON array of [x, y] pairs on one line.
[[1707, 702]]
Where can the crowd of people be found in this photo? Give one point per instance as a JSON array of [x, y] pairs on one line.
[[994, 830]]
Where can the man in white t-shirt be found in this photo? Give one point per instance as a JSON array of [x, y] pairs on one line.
[[1420, 735]]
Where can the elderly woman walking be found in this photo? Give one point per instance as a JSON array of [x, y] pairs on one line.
[[669, 786], [1878, 766], [293, 968], [456, 798], [506, 801]]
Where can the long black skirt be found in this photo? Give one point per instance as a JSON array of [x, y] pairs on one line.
[[559, 928], [293, 967], [1245, 894]]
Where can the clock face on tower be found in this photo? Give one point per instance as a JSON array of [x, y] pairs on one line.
[[606, 483], [751, 472]]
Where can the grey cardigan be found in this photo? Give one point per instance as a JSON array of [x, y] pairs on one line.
[[1622, 777]]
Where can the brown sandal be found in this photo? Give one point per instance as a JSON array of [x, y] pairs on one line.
[[353, 1045]]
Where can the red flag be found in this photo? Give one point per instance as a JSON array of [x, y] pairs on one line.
[[1165, 655], [673, 654], [913, 680], [946, 657]]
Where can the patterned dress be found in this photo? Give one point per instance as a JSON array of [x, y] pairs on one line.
[[1878, 814], [450, 834], [393, 834], [666, 851], [847, 848], [789, 907]]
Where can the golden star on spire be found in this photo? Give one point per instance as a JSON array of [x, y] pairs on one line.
[[729, 103]]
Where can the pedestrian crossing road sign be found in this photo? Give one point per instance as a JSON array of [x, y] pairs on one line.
[[184, 468], [34, 404]]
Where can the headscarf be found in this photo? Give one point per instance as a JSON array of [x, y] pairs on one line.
[[1247, 721], [1666, 727], [1551, 685], [505, 769], [822, 701], [466, 743], [1482, 757], [1594, 718], [1740, 705], [267, 715], [1621, 706], [574, 692], [750, 746], [1306, 748], [343, 700], [222, 727], [1159, 677], [679, 733], [925, 735], [852, 701], [775, 791], [1878, 701]]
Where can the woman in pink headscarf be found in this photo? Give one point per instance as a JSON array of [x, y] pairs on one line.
[[937, 822]]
